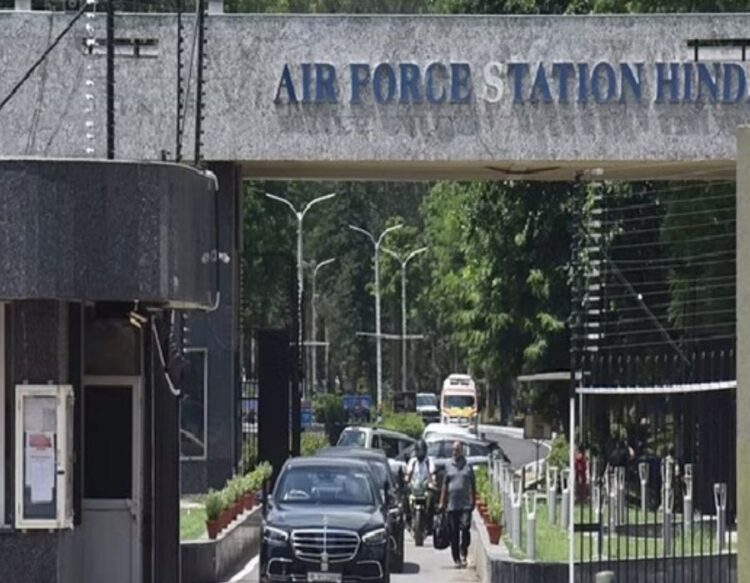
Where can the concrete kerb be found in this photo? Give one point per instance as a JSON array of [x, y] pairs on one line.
[[211, 561]]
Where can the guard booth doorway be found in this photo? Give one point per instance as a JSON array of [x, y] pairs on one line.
[[111, 502], [112, 424]]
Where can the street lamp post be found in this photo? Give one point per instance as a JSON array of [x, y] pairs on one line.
[[404, 261], [378, 339], [300, 275], [316, 268]]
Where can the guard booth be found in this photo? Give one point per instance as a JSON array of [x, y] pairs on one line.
[[95, 260]]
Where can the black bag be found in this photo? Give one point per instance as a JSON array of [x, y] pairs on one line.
[[441, 537]]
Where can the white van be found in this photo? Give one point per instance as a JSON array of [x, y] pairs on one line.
[[459, 402]]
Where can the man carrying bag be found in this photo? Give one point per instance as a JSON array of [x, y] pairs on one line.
[[458, 496]]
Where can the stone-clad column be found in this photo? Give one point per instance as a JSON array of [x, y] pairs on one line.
[[743, 349]]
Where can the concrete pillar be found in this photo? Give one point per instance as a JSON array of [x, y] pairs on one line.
[[743, 347]]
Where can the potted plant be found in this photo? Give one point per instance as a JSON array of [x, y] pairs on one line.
[[214, 506], [248, 490], [235, 492], [226, 509], [494, 528]]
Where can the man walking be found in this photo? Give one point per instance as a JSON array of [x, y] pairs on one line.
[[459, 495]]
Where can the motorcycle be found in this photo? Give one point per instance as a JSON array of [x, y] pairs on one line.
[[419, 503]]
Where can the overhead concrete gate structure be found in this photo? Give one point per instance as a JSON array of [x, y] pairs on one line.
[[407, 97]]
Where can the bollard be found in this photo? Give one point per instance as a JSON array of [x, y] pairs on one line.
[[720, 500], [596, 501], [515, 528], [621, 506], [530, 500], [643, 475], [565, 499], [667, 530], [666, 479], [605, 577], [552, 494], [687, 501]]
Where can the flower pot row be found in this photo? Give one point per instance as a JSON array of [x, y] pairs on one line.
[[493, 526], [239, 495]]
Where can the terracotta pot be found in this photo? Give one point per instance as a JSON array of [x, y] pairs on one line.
[[252, 499], [213, 527], [247, 500], [239, 507], [225, 518], [494, 531]]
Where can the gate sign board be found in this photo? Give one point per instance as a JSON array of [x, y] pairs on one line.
[[534, 427], [403, 97]]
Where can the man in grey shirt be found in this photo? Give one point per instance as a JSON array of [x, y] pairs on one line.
[[458, 496]]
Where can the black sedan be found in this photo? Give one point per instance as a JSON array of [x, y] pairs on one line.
[[325, 523], [390, 487]]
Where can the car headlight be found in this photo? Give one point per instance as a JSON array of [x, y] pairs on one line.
[[275, 535], [375, 537]]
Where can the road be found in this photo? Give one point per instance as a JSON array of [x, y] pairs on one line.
[[520, 451], [423, 565]]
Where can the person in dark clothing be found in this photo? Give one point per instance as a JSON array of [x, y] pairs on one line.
[[458, 496]]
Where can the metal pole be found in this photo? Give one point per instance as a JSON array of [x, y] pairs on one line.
[[313, 316], [300, 291], [110, 80], [378, 339], [403, 326]]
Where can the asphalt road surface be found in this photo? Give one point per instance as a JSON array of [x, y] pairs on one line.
[[520, 451], [423, 565]]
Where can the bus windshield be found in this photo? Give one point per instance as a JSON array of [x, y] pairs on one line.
[[458, 401]]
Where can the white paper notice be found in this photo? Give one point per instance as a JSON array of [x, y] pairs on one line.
[[40, 466]]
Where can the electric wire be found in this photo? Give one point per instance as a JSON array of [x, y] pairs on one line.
[[43, 56], [661, 216], [681, 228], [668, 202], [660, 242]]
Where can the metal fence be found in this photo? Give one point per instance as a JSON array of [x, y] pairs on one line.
[[653, 347]]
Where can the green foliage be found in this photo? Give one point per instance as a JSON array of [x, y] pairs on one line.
[[495, 509], [249, 454], [329, 409], [312, 442], [265, 470], [559, 452], [410, 424], [214, 504]]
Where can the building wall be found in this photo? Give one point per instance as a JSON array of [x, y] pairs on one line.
[[247, 55]]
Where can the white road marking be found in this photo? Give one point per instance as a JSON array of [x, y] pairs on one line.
[[246, 570]]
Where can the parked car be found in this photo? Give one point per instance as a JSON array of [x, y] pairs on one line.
[[325, 522], [391, 488], [391, 442], [427, 407], [434, 430]]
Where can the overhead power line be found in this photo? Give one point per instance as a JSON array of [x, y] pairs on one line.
[[44, 55]]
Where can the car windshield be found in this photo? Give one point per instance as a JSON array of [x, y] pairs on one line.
[[459, 401], [325, 485], [352, 438], [426, 400]]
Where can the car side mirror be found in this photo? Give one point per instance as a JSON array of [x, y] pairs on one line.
[[265, 498]]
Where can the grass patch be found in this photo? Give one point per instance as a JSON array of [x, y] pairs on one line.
[[192, 523]]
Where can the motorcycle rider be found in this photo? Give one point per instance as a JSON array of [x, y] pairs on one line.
[[421, 467]]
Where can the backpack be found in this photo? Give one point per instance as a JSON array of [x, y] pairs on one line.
[[441, 538]]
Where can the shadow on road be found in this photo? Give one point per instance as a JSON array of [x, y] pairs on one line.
[[410, 569]]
